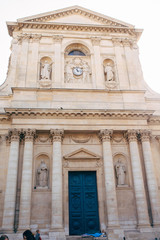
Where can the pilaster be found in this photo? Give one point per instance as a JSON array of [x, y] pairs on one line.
[[57, 39]]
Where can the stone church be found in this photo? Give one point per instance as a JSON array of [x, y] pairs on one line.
[[80, 130]]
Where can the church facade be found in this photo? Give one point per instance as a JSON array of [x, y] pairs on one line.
[[80, 130]]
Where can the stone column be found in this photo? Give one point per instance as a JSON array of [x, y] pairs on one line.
[[57, 199], [110, 186], [151, 178], [140, 195], [97, 63], [58, 61], [11, 183], [26, 184]]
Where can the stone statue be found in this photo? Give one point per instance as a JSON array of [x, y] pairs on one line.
[[42, 175], [45, 70], [120, 172], [109, 74]]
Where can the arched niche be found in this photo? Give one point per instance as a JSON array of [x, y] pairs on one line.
[[121, 170], [42, 172], [45, 68], [109, 70]]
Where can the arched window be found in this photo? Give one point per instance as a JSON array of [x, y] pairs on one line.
[[76, 53]]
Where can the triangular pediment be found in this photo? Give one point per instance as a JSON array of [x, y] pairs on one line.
[[82, 154], [75, 15]]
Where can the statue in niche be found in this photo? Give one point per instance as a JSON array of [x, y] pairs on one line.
[[42, 175], [120, 172], [109, 74], [45, 70]]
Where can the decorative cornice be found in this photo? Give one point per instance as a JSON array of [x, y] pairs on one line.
[[154, 120], [57, 134], [66, 113], [71, 27]]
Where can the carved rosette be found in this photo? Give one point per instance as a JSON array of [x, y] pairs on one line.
[[29, 134], [13, 135], [57, 135], [105, 135], [145, 135], [131, 135]]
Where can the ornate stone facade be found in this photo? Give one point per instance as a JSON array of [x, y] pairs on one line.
[[80, 130]]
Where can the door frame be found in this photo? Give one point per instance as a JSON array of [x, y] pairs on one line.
[[100, 193]]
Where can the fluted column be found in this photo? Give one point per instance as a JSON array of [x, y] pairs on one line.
[[26, 184], [150, 175], [141, 203], [10, 193], [110, 189], [57, 200]]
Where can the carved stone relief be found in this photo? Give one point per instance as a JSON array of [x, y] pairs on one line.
[[77, 70]]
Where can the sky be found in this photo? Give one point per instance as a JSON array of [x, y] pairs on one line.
[[143, 14]]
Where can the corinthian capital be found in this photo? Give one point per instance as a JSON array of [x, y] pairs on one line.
[[57, 135], [105, 134], [145, 135], [29, 134], [132, 135], [13, 134]]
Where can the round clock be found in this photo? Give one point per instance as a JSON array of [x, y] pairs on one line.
[[77, 71]]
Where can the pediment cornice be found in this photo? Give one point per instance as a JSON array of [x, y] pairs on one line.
[[77, 114], [75, 10], [73, 27], [82, 154], [52, 21]]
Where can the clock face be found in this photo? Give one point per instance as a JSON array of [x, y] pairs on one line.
[[77, 71]]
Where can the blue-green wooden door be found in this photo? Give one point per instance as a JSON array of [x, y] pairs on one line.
[[83, 203]]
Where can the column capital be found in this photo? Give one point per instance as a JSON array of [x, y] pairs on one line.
[[29, 134], [105, 135], [117, 42], [145, 135], [57, 134], [14, 134], [95, 41], [57, 38], [36, 37], [131, 135]]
